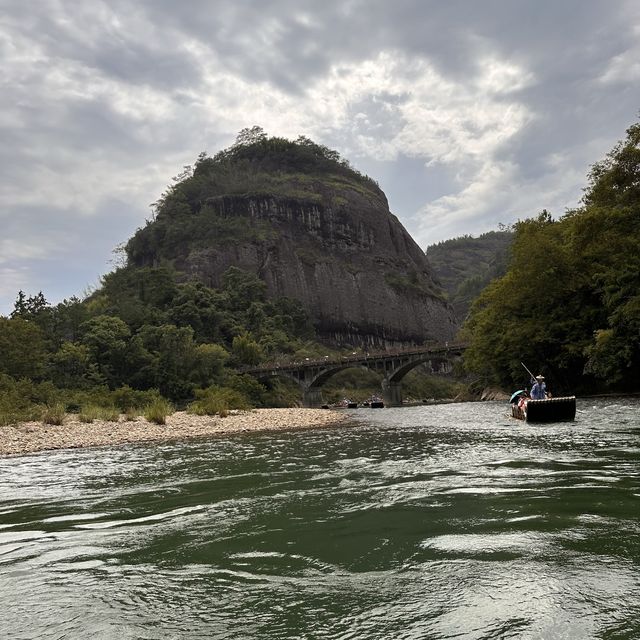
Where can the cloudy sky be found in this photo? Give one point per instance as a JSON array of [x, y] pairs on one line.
[[468, 113]]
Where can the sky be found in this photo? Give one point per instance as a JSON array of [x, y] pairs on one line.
[[469, 114]]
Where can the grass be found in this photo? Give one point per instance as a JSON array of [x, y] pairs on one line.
[[158, 411], [88, 414], [109, 414], [131, 414], [54, 414], [92, 412]]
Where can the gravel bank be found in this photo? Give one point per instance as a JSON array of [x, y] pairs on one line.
[[29, 437]]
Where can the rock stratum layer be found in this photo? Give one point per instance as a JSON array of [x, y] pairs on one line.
[[310, 227]]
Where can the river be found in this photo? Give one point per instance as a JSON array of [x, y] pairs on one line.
[[448, 521]]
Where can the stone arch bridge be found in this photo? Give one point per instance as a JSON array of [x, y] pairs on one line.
[[310, 375]]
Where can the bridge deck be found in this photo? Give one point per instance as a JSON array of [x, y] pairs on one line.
[[356, 358]]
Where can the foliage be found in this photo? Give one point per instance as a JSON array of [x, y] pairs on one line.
[[194, 211], [72, 367], [54, 414], [107, 341], [89, 413], [23, 400], [570, 301], [245, 350], [410, 284], [126, 398], [355, 383], [281, 392], [158, 411], [218, 400], [466, 265], [93, 412], [109, 414], [22, 348], [248, 387], [418, 386]]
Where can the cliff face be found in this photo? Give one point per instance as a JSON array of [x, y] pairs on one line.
[[326, 239]]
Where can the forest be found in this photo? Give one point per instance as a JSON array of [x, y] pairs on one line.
[[569, 303], [465, 265]]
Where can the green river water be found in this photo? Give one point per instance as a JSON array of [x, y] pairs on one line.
[[449, 521]]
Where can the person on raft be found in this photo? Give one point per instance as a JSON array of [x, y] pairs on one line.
[[539, 389]]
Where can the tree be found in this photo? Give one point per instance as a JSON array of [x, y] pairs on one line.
[[107, 340], [23, 352], [71, 366], [245, 350], [31, 307], [243, 287], [174, 354], [615, 181], [570, 300], [208, 368], [250, 135]]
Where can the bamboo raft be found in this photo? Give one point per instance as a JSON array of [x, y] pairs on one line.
[[562, 409]]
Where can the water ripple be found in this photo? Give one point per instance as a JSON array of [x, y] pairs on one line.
[[437, 522]]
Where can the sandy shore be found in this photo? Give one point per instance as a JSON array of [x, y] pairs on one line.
[[29, 437]]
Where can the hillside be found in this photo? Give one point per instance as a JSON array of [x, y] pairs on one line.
[[465, 265], [299, 218]]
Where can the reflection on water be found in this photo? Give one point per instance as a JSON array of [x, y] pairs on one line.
[[449, 521]]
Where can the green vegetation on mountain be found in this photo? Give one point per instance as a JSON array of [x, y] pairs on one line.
[[569, 303], [465, 265], [190, 214], [146, 330]]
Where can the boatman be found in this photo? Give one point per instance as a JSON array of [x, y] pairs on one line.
[[539, 389]]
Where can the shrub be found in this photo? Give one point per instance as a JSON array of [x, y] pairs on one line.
[[217, 400], [127, 398], [131, 414], [89, 413], [54, 414], [110, 414], [12, 417], [158, 411], [81, 399], [23, 399]]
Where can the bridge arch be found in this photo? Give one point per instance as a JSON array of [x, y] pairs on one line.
[[324, 376], [438, 366]]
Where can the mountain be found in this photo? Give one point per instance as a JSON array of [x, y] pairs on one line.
[[466, 265], [312, 228]]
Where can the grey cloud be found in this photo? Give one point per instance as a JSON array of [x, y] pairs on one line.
[[63, 253], [73, 32], [175, 49], [271, 40]]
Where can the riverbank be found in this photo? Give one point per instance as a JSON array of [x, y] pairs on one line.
[[31, 437]]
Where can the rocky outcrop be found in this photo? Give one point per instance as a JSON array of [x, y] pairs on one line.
[[328, 241]]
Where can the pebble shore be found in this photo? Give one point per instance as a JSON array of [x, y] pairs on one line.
[[30, 437]]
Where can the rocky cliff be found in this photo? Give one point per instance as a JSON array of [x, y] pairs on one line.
[[313, 229]]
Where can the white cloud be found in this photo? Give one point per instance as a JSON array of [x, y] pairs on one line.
[[12, 280], [624, 68]]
